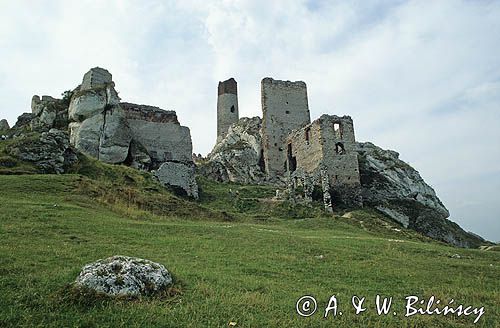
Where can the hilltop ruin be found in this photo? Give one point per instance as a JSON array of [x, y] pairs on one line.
[[294, 151]]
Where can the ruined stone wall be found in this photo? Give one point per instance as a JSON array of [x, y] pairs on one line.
[[159, 132], [149, 113], [227, 107], [304, 148], [96, 77], [284, 109], [339, 149], [326, 149]]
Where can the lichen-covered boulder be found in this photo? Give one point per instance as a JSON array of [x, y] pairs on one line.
[[124, 276]]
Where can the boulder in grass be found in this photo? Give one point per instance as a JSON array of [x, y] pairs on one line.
[[124, 276]]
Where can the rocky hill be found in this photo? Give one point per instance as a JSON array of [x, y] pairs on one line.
[[90, 120], [388, 184]]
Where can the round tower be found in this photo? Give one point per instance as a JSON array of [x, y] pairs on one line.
[[227, 106]]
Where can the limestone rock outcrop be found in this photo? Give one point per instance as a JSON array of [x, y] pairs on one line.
[[238, 156], [396, 189], [99, 127], [48, 113], [124, 276], [50, 153], [179, 175], [159, 133], [4, 125]]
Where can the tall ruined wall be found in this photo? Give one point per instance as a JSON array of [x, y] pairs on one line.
[[304, 148], [284, 109], [159, 132], [339, 150], [326, 149], [227, 106]]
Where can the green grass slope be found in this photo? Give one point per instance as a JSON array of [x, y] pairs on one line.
[[237, 255]]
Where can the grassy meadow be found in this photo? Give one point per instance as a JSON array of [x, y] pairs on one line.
[[238, 257]]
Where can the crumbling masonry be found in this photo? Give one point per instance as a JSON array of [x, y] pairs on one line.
[[140, 136], [306, 157]]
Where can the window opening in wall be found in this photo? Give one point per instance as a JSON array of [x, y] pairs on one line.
[[262, 164], [339, 148], [167, 156], [232, 109], [308, 132], [287, 112], [337, 129], [292, 160]]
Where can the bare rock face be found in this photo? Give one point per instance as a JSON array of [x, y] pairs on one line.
[[4, 125], [48, 113], [124, 276], [178, 175], [99, 126], [396, 189], [23, 123], [237, 157]]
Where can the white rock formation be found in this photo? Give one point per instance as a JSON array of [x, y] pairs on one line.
[[179, 175], [237, 156], [396, 189], [99, 126]]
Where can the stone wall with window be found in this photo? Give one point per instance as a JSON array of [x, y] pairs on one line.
[[284, 109]]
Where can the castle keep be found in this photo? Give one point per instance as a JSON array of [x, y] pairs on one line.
[[301, 154], [284, 109]]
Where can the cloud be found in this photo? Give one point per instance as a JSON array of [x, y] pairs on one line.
[[419, 77]]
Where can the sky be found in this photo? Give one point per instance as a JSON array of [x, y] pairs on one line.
[[418, 77]]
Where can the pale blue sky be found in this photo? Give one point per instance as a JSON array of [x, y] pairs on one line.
[[419, 77]]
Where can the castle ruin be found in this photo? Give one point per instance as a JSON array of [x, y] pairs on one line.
[[141, 136], [227, 106], [298, 153]]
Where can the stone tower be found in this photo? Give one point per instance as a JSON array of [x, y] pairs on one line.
[[227, 106], [284, 109]]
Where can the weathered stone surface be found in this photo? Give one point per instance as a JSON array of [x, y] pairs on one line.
[[326, 148], [105, 136], [124, 276], [396, 189], [238, 156], [160, 133], [138, 156], [284, 109], [23, 121], [227, 107], [179, 175], [87, 105], [48, 113], [96, 77], [4, 125], [50, 153]]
